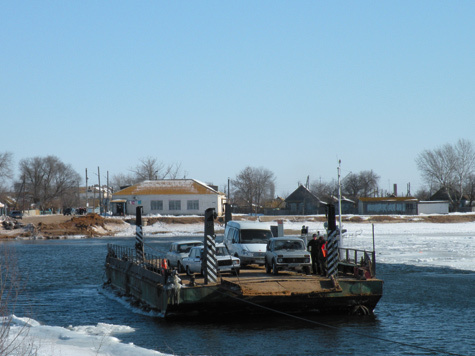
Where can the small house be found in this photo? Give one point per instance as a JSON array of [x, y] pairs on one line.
[[168, 197], [303, 202]]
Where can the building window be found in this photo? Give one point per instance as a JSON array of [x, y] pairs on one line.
[[174, 205], [156, 205], [193, 205]]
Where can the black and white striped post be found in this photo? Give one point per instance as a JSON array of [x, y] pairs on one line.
[[139, 247], [210, 263], [332, 243]]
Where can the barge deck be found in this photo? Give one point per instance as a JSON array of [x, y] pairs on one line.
[[174, 294]]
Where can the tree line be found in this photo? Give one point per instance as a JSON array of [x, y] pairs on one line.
[[49, 183]]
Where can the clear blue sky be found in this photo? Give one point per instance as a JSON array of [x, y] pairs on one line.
[[291, 86]]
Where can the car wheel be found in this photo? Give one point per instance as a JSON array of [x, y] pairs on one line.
[[268, 269], [236, 272], [306, 269], [275, 271], [188, 272], [242, 264], [179, 267]]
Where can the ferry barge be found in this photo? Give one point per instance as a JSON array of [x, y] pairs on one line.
[[350, 286]]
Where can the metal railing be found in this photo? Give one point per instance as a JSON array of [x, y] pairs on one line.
[[150, 261], [358, 258]]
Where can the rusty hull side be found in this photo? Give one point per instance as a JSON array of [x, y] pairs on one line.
[[132, 280], [231, 298], [261, 294]]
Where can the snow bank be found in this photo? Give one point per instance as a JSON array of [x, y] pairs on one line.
[[81, 341], [417, 243]]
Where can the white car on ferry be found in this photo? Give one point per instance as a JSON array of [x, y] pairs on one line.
[[226, 262]]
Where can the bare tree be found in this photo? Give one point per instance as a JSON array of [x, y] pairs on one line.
[[361, 184], [423, 194], [45, 180], [121, 180], [151, 168], [449, 167], [368, 182], [253, 186], [465, 167], [470, 189], [351, 186], [6, 172], [324, 190]]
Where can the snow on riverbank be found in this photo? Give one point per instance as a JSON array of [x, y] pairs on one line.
[[28, 337]]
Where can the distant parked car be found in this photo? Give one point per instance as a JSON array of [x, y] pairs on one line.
[[16, 214], [226, 262], [287, 253], [178, 251], [69, 211]]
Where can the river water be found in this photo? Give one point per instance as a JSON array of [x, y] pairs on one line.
[[424, 310]]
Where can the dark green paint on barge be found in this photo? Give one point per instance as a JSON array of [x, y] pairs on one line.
[[252, 291]]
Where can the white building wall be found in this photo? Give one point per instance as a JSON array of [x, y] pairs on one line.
[[205, 201], [433, 207]]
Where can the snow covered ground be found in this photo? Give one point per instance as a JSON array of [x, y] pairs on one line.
[[86, 340], [420, 244], [417, 243]]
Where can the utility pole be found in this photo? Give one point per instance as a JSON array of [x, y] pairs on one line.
[[100, 190], [87, 194], [108, 192], [339, 201]]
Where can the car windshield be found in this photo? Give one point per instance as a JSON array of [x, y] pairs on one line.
[[222, 251], [289, 245], [185, 248], [255, 236]]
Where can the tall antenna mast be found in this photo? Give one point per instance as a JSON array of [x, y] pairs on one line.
[[339, 202], [87, 201]]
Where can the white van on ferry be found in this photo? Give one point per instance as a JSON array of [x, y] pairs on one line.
[[247, 240]]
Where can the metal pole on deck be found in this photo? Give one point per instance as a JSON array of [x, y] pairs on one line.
[[332, 243], [374, 255], [372, 225], [139, 248], [210, 263]]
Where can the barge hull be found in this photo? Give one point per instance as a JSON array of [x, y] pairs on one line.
[[256, 292]]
